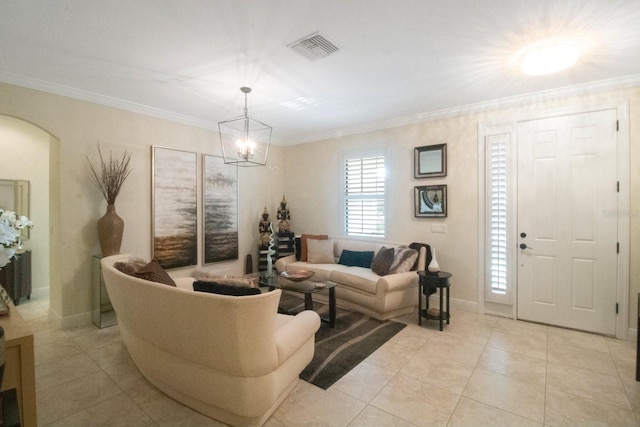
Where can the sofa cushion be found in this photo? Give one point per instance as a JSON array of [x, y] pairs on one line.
[[359, 278], [222, 289], [403, 259], [154, 272], [303, 243], [356, 258], [247, 281], [383, 260], [320, 251]]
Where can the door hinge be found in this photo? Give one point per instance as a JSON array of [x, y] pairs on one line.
[[616, 308], [618, 186], [617, 247], [617, 125]]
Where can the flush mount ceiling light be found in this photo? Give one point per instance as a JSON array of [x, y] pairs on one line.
[[245, 141], [547, 56]]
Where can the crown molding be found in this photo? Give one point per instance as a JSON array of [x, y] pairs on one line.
[[495, 104], [564, 92]]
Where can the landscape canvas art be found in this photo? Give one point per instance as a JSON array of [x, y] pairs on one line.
[[220, 193], [175, 207]]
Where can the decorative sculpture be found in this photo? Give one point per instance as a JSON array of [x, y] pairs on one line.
[[270, 253], [283, 215], [264, 227]]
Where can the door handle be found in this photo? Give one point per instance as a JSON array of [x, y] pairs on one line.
[[524, 246]]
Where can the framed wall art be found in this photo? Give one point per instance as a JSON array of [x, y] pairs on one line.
[[430, 161], [220, 206], [175, 207], [430, 201]]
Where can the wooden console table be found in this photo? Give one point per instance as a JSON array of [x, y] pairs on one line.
[[19, 366]]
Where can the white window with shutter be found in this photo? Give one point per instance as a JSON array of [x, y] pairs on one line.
[[364, 195], [498, 218]]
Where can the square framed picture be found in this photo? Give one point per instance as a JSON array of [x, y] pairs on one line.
[[430, 161], [430, 201]]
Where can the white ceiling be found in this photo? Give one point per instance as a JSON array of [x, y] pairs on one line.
[[399, 61]]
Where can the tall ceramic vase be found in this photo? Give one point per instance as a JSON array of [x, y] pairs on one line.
[[433, 267], [110, 228]]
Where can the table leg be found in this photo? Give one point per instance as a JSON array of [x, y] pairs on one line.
[[308, 302], [448, 312], [332, 307], [441, 311], [420, 304]]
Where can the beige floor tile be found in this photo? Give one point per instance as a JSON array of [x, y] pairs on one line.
[[587, 383], [412, 337], [374, 417], [391, 356], [514, 365], [119, 411], [419, 403], [31, 311], [510, 394], [310, 405], [563, 409], [126, 375], [76, 395], [440, 370], [186, 417], [454, 348], [577, 339], [534, 344], [582, 357], [61, 348], [110, 355], [469, 332], [94, 340], [364, 381], [470, 413], [155, 403], [63, 369]]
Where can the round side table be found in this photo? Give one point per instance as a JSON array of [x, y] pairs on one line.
[[428, 282]]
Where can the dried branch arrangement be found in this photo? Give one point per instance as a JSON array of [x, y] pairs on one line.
[[112, 176]]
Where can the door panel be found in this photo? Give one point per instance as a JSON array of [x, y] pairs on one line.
[[567, 170]]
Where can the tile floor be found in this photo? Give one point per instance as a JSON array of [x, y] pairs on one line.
[[480, 371]]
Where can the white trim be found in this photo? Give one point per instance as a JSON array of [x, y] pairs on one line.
[[624, 214], [455, 304]]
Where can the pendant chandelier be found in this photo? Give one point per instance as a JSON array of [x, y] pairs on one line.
[[245, 141]]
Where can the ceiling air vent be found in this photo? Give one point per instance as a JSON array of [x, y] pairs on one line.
[[314, 47]]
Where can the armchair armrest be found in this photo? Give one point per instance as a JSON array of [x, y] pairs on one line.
[[294, 333], [281, 263]]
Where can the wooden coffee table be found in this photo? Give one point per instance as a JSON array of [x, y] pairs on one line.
[[306, 287]]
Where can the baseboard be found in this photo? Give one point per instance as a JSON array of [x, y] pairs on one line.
[[70, 322], [455, 304], [39, 292]]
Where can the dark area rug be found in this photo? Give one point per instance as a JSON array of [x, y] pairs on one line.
[[339, 349]]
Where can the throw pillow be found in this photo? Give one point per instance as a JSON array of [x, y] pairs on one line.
[[356, 258], [298, 245], [155, 273], [403, 259], [222, 289], [303, 243], [383, 260], [320, 251], [417, 247], [125, 267]]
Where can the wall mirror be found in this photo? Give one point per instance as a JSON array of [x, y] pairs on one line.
[[430, 161], [14, 196]]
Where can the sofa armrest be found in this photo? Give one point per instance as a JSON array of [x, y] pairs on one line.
[[293, 334], [398, 281], [281, 263]]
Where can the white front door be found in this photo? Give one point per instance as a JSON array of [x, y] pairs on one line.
[[567, 199]]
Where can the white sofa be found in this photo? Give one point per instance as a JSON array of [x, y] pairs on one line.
[[359, 288], [231, 358]]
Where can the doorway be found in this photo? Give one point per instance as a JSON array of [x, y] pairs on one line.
[[567, 186]]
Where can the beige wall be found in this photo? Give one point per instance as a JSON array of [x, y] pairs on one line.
[[314, 174], [78, 125], [25, 156]]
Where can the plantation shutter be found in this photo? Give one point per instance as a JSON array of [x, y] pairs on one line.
[[364, 196], [497, 206]]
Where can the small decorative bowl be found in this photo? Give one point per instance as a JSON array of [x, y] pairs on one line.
[[297, 275]]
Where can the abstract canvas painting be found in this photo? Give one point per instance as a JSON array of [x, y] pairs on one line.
[[220, 193], [175, 207]]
